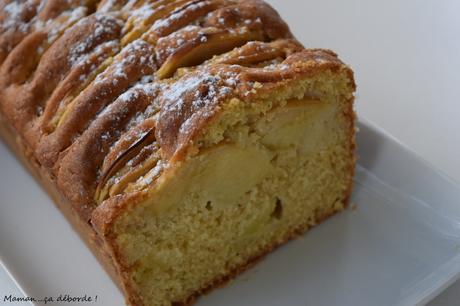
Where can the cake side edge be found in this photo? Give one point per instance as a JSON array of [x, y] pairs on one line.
[[85, 230]]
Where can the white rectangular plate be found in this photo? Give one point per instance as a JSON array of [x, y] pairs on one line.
[[397, 244]]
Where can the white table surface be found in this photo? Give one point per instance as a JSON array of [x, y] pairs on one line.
[[406, 56]]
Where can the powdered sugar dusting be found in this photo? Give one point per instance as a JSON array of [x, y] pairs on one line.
[[55, 27], [133, 54], [92, 59], [190, 100], [104, 25], [152, 175], [170, 44], [14, 20], [179, 89], [150, 91], [144, 12], [16, 11], [178, 14], [108, 6]]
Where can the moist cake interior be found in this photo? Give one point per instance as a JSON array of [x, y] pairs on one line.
[[267, 171]]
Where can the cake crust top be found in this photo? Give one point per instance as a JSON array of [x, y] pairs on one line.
[[96, 87]]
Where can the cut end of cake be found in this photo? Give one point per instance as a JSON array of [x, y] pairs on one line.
[[262, 171]]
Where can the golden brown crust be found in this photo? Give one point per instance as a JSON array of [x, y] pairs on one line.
[[185, 109], [135, 62], [83, 228], [25, 85], [194, 99], [84, 158], [41, 97], [82, 81], [15, 23]]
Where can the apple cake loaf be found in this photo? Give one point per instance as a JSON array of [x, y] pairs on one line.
[[183, 139]]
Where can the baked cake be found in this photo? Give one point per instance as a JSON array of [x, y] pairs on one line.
[[184, 139]]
